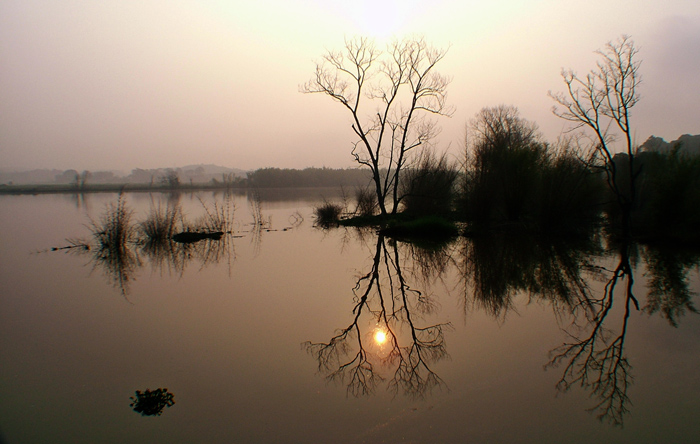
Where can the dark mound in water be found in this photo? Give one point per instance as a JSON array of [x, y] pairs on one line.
[[188, 237]]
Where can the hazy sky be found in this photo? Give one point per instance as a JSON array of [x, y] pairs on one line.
[[120, 84]]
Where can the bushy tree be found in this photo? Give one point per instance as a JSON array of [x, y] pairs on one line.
[[514, 177], [503, 156]]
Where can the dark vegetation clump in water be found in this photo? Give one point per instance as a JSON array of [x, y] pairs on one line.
[[422, 228], [427, 204], [152, 402], [328, 214], [114, 228]]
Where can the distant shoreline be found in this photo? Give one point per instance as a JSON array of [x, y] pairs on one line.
[[109, 188]]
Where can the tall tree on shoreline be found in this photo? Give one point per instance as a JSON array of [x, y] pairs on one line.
[[400, 89]]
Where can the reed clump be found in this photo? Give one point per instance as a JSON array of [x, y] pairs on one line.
[[430, 187], [114, 229], [217, 217], [162, 223]]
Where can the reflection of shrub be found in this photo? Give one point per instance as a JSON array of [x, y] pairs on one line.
[[429, 188], [152, 403], [328, 213]]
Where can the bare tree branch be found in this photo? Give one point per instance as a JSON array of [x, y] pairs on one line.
[[361, 77]]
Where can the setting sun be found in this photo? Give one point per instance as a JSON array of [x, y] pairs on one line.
[[379, 20]]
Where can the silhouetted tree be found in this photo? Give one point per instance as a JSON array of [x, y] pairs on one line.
[[399, 88], [602, 102], [504, 154]]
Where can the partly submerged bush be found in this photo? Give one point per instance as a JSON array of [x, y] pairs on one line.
[[328, 213], [429, 227], [218, 218]]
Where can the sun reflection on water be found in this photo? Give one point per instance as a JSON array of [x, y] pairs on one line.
[[380, 337]]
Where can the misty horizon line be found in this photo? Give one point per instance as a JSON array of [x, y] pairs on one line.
[[205, 172], [200, 173]]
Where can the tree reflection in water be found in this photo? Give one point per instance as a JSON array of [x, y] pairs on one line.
[[498, 268], [669, 293], [596, 361], [358, 355]]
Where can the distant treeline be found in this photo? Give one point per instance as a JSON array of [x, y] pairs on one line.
[[172, 179], [191, 174], [308, 177]]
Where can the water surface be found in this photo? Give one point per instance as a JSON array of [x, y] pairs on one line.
[[256, 336]]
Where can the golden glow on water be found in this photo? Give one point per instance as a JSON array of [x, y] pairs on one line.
[[380, 337]]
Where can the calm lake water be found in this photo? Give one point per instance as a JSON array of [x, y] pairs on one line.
[[281, 332]]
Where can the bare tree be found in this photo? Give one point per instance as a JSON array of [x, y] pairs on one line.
[[401, 89], [602, 102]]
